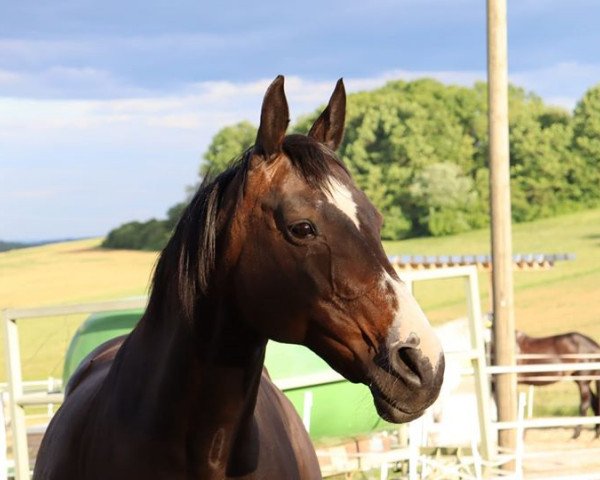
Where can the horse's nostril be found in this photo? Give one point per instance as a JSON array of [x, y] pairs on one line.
[[410, 358]]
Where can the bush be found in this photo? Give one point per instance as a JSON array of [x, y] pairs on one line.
[[151, 235]]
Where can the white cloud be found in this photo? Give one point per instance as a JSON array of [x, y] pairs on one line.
[[208, 105], [466, 78], [65, 82], [560, 84], [205, 107], [34, 50], [145, 148], [8, 78], [28, 54], [31, 49]]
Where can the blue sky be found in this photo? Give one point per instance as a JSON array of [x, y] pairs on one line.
[[107, 107]]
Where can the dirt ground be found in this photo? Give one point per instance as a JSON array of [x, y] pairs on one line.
[[549, 454], [552, 453]]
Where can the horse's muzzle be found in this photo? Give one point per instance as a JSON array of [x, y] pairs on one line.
[[404, 382]]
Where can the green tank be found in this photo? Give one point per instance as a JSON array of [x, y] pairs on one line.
[[336, 407], [94, 331]]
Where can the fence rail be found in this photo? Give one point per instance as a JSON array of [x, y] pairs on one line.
[[543, 367], [21, 396], [564, 356], [52, 385], [548, 422]]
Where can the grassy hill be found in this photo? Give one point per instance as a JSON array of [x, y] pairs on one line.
[[566, 297]]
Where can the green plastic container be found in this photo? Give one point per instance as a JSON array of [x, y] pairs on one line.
[[94, 331], [337, 408]]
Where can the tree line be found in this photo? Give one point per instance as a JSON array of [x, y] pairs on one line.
[[419, 151]]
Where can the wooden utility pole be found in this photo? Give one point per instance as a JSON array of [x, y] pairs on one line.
[[502, 274]]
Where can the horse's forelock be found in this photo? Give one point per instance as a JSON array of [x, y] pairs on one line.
[[313, 160]]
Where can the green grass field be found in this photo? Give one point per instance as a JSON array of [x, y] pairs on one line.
[[566, 297]]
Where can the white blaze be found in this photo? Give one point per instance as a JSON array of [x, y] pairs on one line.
[[340, 196], [409, 318]]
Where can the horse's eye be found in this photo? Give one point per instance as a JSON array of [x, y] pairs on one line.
[[302, 230]]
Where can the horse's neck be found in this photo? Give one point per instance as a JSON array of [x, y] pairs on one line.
[[222, 427], [197, 390]]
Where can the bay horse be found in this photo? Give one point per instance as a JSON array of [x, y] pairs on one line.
[[562, 348], [282, 246]]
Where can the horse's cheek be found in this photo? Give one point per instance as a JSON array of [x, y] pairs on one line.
[[316, 266]]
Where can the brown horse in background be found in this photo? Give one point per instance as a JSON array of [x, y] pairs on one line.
[[283, 246], [562, 348]]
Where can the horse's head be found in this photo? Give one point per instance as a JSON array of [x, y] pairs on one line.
[[308, 266], [520, 339]]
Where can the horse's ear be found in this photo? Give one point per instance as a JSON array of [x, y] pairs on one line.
[[274, 119], [329, 127], [519, 334]]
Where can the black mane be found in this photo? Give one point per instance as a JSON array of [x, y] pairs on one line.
[[185, 265]]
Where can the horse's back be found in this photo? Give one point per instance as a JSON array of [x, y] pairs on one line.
[[584, 343], [561, 348], [572, 344], [66, 432], [556, 345]]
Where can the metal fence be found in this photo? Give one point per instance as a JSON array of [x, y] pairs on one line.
[[19, 396]]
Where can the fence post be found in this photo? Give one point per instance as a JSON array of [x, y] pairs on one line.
[[501, 230], [478, 361], [3, 459], [15, 393]]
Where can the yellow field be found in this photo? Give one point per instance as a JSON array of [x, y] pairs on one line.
[[64, 273], [71, 272], [564, 298]]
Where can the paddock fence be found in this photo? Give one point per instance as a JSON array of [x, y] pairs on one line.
[[20, 394]]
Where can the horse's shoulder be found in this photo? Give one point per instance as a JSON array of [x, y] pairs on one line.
[[269, 389], [97, 358], [281, 421], [265, 374]]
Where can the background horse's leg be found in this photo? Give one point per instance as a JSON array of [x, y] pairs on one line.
[[585, 403], [596, 404]]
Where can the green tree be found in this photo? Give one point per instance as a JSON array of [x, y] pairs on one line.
[[419, 150], [174, 214], [443, 198], [151, 235], [226, 146], [584, 174], [540, 139], [397, 131]]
